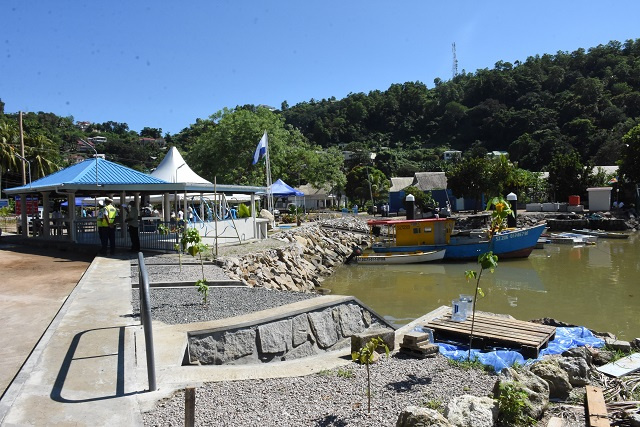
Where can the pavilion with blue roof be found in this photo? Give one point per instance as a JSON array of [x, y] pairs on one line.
[[98, 178]]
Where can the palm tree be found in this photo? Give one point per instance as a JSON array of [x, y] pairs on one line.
[[8, 143], [40, 150]]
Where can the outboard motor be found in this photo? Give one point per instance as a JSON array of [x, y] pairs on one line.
[[357, 251]]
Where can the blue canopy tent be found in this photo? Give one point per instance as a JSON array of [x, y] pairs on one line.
[[282, 189]]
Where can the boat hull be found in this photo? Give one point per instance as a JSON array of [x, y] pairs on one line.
[[401, 258], [602, 234], [507, 244]]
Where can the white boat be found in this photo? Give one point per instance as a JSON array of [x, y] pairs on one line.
[[572, 239], [602, 234], [401, 257]]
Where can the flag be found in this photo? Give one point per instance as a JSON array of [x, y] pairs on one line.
[[261, 149], [613, 180]]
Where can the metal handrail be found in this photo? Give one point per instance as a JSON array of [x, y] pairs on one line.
[[145, 320]]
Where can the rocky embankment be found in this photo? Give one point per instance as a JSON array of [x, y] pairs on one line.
[[302, 258]]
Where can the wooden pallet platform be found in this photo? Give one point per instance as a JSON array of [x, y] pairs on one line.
[[494, 331]]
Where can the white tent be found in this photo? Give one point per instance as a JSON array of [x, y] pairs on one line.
[[173, 168]]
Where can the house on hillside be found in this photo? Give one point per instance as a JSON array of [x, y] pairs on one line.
[[451, 155], [98, 140], [83, 126], [497, 153], [83, 146]]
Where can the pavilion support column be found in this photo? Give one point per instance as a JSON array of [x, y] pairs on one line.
[[253, 215], [166, 207], [23, 214], [46, 215], [71, 213], [184, 206], [201, 207], [175, 202], [123, 201]]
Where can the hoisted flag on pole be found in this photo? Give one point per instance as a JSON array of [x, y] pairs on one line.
[[261, 149]]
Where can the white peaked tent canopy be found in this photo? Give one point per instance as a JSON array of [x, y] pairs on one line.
[[173, 168]]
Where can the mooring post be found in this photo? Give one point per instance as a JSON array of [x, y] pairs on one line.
[[190, 406]]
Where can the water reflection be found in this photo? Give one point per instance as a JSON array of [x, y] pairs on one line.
[[596, 286]]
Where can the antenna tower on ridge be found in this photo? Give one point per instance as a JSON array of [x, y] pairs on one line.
[[454, 67]]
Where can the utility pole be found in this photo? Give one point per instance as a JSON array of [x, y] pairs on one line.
[[24, 172], [454, 66]]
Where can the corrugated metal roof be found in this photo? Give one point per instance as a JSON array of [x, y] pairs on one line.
[[427, 181], [400, 183], [310, 191], [85, 173]]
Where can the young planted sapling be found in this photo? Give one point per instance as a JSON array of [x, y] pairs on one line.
[[191, 242], [366, 355]]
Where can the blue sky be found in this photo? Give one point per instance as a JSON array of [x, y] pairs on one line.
[[165, 63]]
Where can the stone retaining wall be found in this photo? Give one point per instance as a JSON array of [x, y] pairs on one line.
[[313, 253], [292, 337]]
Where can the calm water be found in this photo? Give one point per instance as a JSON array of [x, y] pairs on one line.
[[594, 286]]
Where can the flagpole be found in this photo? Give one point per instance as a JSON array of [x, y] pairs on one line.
[[268, 168]]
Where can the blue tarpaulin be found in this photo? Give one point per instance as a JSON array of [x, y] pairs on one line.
[[565, 339]]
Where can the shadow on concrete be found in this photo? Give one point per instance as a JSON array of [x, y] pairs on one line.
[[97, 364], [63, 251]]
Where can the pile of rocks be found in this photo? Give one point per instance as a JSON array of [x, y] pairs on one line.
[[311, 252], [558, 378], [347, 222]]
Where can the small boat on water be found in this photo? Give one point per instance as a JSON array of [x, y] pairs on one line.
[[400, 257], [572, 239], [602, 234], [438, 233]]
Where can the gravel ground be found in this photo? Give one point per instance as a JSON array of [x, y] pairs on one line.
[[172, 273], [329, 398], [184, 305]]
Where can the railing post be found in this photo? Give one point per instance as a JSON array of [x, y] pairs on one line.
[[190, 406], [145, 320]]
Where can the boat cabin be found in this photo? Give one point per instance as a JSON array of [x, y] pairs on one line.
[[431, 231]]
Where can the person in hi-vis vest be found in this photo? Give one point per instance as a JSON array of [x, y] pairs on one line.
[[107, 226]]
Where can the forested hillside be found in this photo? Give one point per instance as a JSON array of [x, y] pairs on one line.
[[583, 100], [578, 103]]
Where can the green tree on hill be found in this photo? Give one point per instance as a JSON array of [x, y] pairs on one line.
[[365, 183], [565, 175], [630, 160], [424, 200], [470, 178], [226, 151]]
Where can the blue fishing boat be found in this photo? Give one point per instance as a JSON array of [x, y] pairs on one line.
[[438, 233]]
